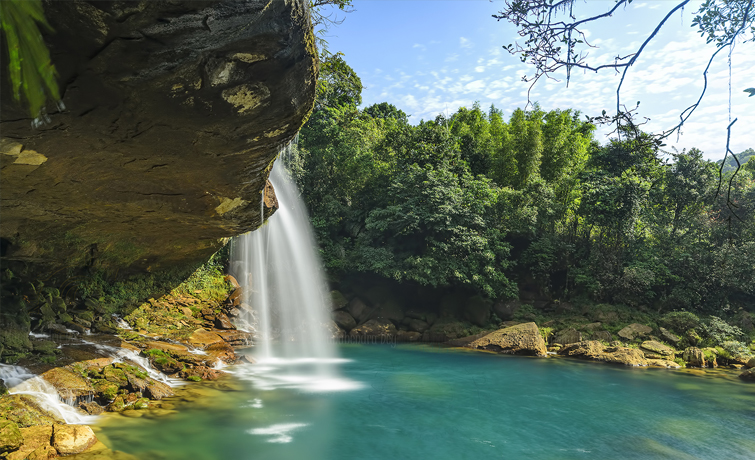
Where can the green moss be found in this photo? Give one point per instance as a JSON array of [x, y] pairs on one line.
[[193, 378]]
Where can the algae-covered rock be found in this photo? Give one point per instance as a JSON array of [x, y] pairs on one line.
[[36, 444], [635, 330], [586, 349], [68, 383], [625, 356], [358, 309], [72, 439], [669, 336], [592, 349], [665, 363], [24, 411], [10, 436], [522, 339]]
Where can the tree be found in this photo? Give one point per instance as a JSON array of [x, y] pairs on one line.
[[555, 40]]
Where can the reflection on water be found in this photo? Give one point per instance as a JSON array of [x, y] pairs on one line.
[[428, 402]]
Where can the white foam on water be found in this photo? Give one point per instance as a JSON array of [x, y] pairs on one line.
[[49, 399], [279, 433]]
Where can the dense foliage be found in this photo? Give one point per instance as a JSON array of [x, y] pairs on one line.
[[531, 202]]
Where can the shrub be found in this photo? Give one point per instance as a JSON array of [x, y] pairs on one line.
[[680, 321]]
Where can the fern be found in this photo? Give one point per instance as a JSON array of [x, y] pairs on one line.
[[30, 70]]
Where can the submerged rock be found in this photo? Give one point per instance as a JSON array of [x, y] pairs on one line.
[[522, 339]]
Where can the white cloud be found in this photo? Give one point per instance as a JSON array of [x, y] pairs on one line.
[[479, 68], [465, 42]]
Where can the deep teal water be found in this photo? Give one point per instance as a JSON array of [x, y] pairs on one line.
[[423, 402]]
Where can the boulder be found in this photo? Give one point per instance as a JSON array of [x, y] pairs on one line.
[[72, 439], [358, 310], [338, 300], [669, 336], [625, 356], [91, 408], [568, 336], [592, 326], [522, 339], [748, 375], [694, 357], [408, 336], [444, 329], [335, 331], [223, 322], [374, 328], [417, 325], [657, 350], [344, 320], [69, 384], [750, 363], [166, 105], [157, 390], [477, 311], [36, 444], [602, 335], [236, 338], [10, 436], [590, 349], [634, 330]]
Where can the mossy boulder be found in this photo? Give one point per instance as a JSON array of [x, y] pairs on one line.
[[379, 327], [634, 330], [10, 436], [115, 375], [72, 439], [338, 300], [24, 411], [69, 384], [656, 350]]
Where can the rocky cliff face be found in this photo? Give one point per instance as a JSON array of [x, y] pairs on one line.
[[174, 111]]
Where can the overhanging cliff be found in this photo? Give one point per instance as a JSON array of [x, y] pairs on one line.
[[174, 111]]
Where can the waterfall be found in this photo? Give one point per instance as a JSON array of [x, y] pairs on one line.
[[286, 302]]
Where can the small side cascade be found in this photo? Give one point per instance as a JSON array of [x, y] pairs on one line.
[[20, 380], [286, 303]]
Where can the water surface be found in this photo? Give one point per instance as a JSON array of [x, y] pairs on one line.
[[418, 401]]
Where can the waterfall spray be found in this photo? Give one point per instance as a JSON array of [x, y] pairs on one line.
[[286, 302]]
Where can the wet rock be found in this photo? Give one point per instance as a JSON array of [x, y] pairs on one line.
[[76, 327], [748, 375], [522, 339], [157, 390], [115, 376], [56, 328], [358, 309], [669, 336], [568, 336], [634, 330], [344, 320], [91, 408], [201, 372], [338, 300], [694, 357], [375, 328], [417, 325], [658, 349], [464, 341], [222, 322], [236, 338], [72, 439], [10, 436], [592, 349], [335, 331], [750, 363], [69, 384]]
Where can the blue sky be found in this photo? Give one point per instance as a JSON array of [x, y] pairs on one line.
[[434, 56]]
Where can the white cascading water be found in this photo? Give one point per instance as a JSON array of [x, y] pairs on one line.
[[283, 283]]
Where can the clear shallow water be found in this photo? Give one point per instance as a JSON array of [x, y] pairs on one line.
[[424, 402]]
